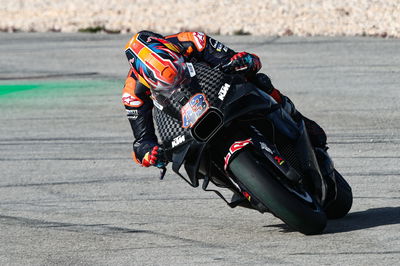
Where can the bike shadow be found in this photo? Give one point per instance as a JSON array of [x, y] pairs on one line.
[[364, 219], [356, 221]]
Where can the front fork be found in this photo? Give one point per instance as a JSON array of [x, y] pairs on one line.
[[328, 172]]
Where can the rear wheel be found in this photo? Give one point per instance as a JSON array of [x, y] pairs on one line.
[[344, 199], [292, 204]]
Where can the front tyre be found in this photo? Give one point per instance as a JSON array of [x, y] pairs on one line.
[[293, 205], [344, 199]]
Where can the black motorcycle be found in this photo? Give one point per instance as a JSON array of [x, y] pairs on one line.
[[224, 130]]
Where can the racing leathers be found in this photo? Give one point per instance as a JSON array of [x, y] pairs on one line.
[[195, 47]]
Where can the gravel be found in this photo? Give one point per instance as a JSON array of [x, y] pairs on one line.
[[274, 17]]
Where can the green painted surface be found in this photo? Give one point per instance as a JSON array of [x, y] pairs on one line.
[[52, 89], [43, 88], [66, 94], [7, 89]]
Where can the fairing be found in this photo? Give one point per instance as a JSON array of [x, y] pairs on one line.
[[238, 103]]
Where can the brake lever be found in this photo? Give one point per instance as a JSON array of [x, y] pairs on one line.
[[217, 66], [223, 67], [162, 165]]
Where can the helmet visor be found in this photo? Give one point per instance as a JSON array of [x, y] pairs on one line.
[[181, 78]]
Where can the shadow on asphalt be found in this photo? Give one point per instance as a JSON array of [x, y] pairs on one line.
[[364, 219], [356, 221]]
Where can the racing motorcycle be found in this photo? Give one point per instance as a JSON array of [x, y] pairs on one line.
[[222, 129]]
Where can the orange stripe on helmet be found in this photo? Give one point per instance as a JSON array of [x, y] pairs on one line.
[[129, 43], [161, 68]]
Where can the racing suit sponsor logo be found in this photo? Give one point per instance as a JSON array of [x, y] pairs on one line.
[[190, 67], [213, 42], [221, 47], [132, 114], [131, 100], [217, 45]]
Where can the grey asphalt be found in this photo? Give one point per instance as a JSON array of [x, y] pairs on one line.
[[70, 194]]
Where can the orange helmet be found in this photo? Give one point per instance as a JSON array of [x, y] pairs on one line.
[[156, 62]]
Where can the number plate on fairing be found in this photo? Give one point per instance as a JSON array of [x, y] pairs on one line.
[[194, 109]]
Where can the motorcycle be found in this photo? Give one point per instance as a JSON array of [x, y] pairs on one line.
[[224, 130]]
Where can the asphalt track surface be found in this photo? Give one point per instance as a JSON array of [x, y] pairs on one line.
[[70, 194]]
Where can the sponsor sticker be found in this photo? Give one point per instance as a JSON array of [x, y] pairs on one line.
[[237, 145], [246, 195], [223, 91], [279, 160], [178, 140], [190, 67], [266, 148], [132, 114]]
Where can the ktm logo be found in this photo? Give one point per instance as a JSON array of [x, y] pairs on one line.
[[223, 91], [178, 140]]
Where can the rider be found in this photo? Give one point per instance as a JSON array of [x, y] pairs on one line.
[[158, 62]]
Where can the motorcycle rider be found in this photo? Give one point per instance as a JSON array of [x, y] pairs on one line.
[[158, 62]]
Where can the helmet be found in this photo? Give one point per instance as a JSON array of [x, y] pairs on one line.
[[156, 62]]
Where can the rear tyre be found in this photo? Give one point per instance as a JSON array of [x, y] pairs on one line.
[[292, 205], [344, 199]]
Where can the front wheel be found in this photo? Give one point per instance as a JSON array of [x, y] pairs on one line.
[[293, 205], [344, 199]]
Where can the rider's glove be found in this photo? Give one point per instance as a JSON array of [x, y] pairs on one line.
[[149, 155], [242, 63]]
